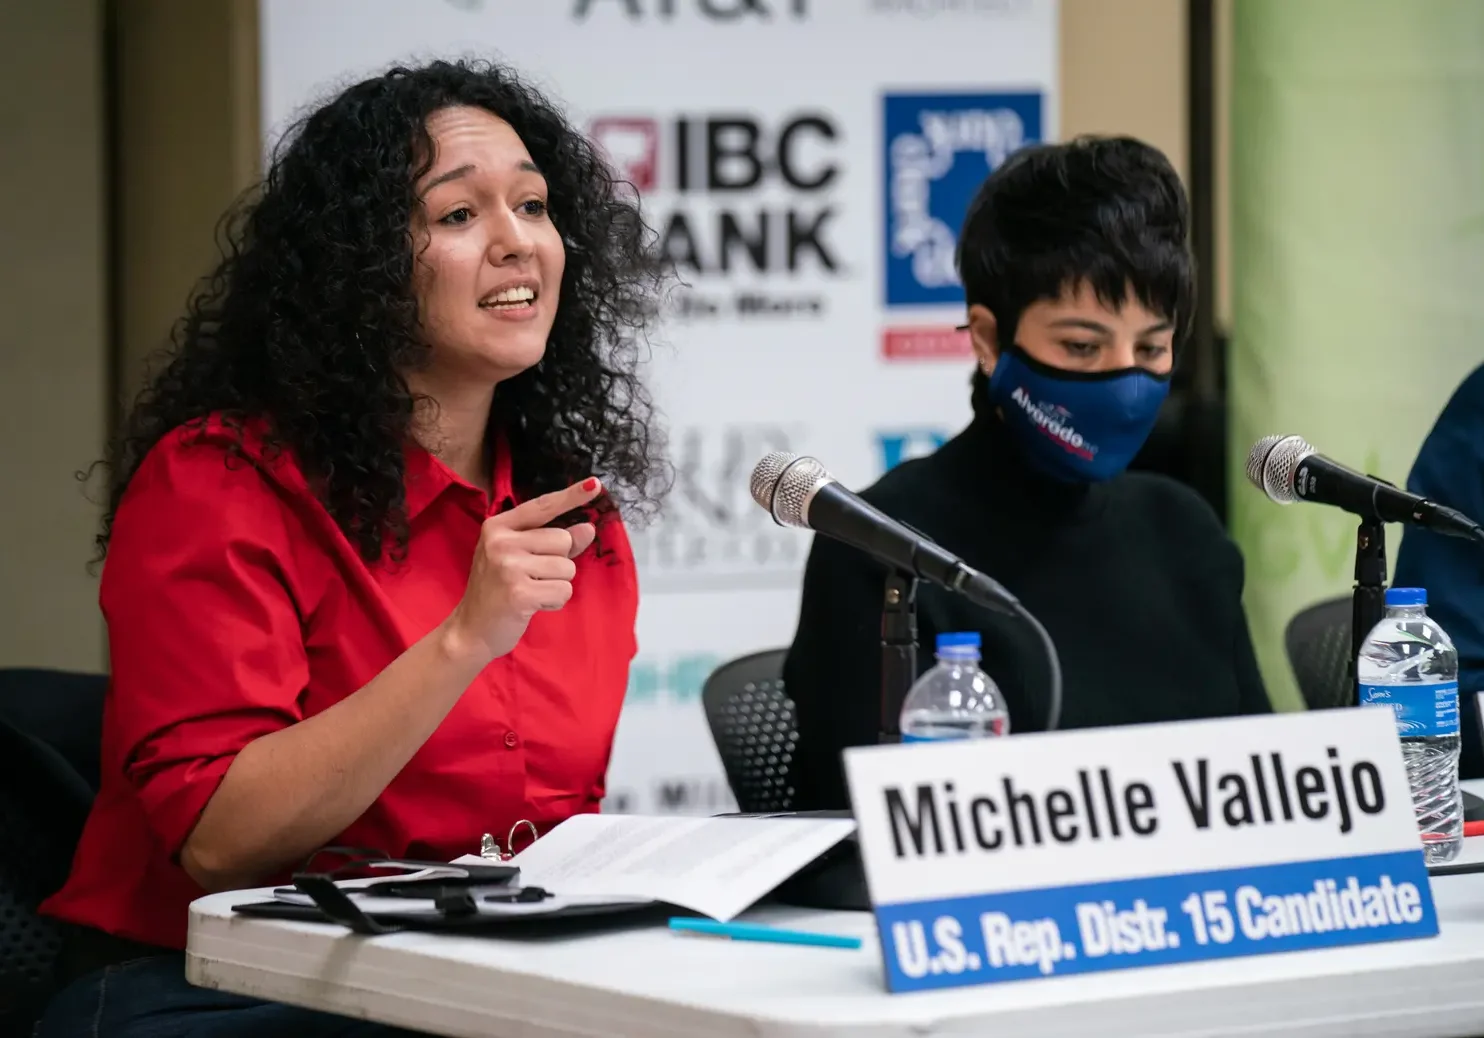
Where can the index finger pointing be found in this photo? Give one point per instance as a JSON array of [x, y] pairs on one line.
[[537, 512]]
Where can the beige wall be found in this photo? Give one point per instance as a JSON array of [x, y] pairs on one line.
[[185, 97], [1223, 163], [1123, 71], [188, 123], [53, 368]]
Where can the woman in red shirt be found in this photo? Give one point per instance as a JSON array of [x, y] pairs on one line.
[[362, 586]]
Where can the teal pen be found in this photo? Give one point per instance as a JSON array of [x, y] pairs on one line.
[[756, 932]]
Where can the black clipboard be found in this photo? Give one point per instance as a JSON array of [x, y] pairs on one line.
[[449, 900], [566, 919]]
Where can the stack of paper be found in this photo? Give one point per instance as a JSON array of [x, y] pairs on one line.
[[715, 866]]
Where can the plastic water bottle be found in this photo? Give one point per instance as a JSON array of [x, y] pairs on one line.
[[1409, 664], [955, 699]]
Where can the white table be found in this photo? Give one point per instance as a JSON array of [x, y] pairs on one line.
[[653, 983]]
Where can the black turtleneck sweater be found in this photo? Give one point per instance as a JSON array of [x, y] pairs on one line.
[[1134, 579]]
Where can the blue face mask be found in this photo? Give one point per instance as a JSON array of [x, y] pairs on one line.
[[1076, 426]]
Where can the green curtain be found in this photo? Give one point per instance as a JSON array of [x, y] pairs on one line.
[[1357, 187]]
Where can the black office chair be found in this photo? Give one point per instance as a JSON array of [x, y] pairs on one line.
[[752, 723], [1317, 641], [62, 708], [44, 801]]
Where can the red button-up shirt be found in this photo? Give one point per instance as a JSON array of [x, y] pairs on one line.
[[236, 606]]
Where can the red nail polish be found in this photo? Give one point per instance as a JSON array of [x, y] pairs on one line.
[[589, 484]]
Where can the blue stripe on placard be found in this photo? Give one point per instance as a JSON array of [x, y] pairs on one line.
[[1187, 917]]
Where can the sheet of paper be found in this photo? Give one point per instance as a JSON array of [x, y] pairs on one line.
[[715, 866]]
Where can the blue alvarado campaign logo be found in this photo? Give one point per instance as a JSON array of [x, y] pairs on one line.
[[938, 150]]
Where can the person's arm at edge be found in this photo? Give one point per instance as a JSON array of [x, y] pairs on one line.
[[288, 792], [1450, 471]]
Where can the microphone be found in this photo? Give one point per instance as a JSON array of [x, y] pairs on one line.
[[1288, 469], [797, 491]]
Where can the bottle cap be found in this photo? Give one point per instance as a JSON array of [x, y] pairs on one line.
[[1406, 596], [959, 641]]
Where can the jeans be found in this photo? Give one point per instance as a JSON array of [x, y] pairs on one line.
[[149, 997]]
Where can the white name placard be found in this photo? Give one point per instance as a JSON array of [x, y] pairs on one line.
[[1074, 852]]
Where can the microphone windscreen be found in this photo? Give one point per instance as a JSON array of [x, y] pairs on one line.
[[1274, 463], [764, 481], [785, 483], [1258, 457]]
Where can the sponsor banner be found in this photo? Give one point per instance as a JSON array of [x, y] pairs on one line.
[[771, 196], [1082, 851]]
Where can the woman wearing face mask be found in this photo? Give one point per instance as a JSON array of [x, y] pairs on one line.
[[1079, 286], [362, 588]]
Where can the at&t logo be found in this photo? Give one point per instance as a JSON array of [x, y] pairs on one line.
[[742, 201], [711, 10]]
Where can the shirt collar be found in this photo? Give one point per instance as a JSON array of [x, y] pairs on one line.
[[427, 477]]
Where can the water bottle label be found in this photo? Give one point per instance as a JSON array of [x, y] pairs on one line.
[[1421, 710], [934, 738]]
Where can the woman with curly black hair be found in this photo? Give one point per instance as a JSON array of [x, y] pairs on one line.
[[363, 584]]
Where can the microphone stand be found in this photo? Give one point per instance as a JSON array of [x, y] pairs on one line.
[[898, 650], [1368, 600]]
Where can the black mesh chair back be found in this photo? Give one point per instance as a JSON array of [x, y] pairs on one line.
[[752, 723], [44, 801], [1318, 645], [43, 805]]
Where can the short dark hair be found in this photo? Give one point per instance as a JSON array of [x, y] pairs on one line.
[[1109, 212], [309, 319]]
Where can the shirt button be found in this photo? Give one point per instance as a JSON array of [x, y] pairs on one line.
[[512, 740]]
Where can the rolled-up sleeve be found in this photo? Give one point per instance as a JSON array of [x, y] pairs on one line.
[[204, 631]]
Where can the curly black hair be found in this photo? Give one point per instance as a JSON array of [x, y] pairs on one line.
[[309, 320]]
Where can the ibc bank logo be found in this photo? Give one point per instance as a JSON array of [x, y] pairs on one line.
[[738, 198], [633, 148], [938, 150]]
